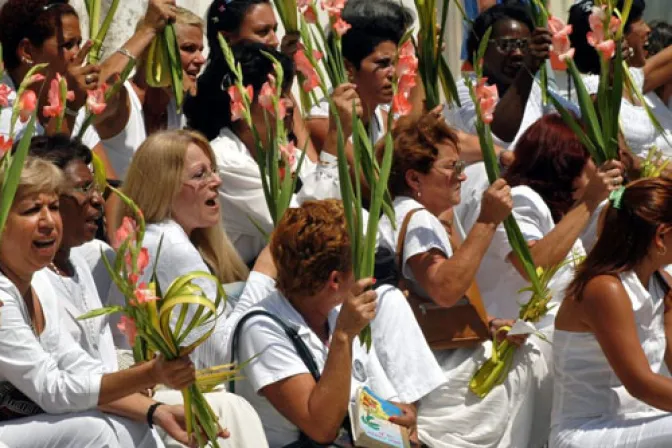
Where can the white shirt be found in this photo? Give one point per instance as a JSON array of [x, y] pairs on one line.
[[499, 281], [241, 194], [424, 233], [179, 257], [77, 295], [92, 252], [639, 132], [277, 360], [377, 125], [52, 369], [471, 194], [121, 147], [89, 139]]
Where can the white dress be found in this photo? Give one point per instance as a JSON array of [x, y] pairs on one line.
[[514, 414], [277, 360], [90, 137], [121, 147], [639, 132], [242, 196], [499, 281], [55, 373], [591, 407]]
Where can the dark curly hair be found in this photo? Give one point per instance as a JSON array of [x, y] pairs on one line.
[[549, 157], [660, 37], [415, 141], [226, 16], [35, 20], [59, 149], [311, 240], [210, 110]]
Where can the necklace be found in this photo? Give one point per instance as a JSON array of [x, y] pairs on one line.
[[88, 324]]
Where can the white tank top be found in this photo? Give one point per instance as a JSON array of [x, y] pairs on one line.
[[586, 386]]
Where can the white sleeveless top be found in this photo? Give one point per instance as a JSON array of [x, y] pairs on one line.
[[121, 147], [586, 386]]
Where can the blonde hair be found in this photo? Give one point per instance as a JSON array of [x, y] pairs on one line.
[[38, 176], [186, 17], [153, 182]]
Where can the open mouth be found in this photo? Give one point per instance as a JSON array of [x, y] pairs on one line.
[[211, 202], [44, 244]]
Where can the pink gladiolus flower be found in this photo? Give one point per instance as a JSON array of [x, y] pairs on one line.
[[306, 7], [127, 326], [95, 99], [341, 27], [4, 95], [237, 103], [488, 96], [27, 105], [34, 78], [288, 153], [143, 260], [401, 105], [607, 48], [406, 83], [305, 67], [596, 37], [127, 229], [56, 103], [562, 46], [407, 49], [333, 7], [266, 94], [144, 295], [5, 145]]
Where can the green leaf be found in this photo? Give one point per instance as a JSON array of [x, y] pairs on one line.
[[101, 312]]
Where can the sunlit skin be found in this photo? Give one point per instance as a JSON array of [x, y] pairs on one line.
[[259, 25], [374, 76], [638, 39], [190, 41], [500, 67]]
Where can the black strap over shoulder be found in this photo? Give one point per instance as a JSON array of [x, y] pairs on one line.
[[291, 333]]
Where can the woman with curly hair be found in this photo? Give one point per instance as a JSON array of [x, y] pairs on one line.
[[556, 189]]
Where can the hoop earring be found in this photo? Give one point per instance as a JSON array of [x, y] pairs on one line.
[[663, 251]]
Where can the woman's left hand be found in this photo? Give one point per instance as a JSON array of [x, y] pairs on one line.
[[81, 78], [496, 324], [290, 44], [171, 419], [408, 420], [539, 49]]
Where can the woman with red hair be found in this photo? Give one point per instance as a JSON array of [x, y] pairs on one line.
[[556, 190]]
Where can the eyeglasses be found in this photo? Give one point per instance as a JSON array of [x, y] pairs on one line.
[[203, 177], [53, 3], [509, 45], [457, 167], [87, 190]]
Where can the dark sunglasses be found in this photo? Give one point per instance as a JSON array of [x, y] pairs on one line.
[[52, 4]]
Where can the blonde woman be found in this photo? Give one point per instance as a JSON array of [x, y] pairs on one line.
[[140, 109], [173, 179]]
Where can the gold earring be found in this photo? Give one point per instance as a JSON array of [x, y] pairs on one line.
[[419, 194]]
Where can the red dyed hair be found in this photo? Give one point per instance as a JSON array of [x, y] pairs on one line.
[[549, 158]]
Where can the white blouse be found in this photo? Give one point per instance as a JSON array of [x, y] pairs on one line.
[[121, 147], [500, 282], [242, 196], [77, 295], [277, 360], [51, 369]]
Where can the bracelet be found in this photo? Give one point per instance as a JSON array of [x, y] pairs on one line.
[[126, 53], [150, 413]]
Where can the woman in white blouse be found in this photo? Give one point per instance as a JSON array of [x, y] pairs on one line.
[[74, 285], [426, 177], [42, 369], [648, 74], [140, 109], [556, 192], [328, 309], [612, 339]]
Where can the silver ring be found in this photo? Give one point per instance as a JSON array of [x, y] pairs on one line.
[[89, 79], [631, 52]]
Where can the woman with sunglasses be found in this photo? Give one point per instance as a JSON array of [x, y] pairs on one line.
[[47, 31], [72, 280], [440, 265], [53, 392], [556, 190]]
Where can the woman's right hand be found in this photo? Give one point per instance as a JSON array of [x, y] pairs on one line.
[[497, 203], [176, 374], [159, 14], [81, 78], [358, 309], [343, 97], [607, 178]]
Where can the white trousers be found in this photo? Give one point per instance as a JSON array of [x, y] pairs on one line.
[[91, 429], [235, 414]]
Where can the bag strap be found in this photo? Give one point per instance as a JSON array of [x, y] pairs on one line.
[[292, 334], [401, 240]]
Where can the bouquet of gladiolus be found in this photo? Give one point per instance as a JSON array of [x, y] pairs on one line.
[[163, 67], [655, 163], [541, 19], [288, 13], [495, 369], [149, 319], [276, 156], [24, 109], [602, 124], [434, 69], [98, 32]]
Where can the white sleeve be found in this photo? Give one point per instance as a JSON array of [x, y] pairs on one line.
[[529, 216], [319, 110], [64, 381], [422, 235], [257, 288], [277, 358], [464, 117], [323, 182]]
